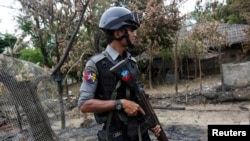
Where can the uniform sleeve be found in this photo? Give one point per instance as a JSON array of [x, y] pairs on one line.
[[89, 83]]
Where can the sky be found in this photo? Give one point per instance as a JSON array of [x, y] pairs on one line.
[[188, 6], [8, 24]]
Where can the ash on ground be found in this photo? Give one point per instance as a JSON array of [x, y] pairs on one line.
[[184, 117]]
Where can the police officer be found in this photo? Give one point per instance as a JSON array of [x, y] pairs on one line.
[[112, 103]]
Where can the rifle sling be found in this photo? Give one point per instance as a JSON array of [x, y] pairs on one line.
[[113, 96]]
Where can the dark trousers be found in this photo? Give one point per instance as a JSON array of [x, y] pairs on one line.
[[118, 135]]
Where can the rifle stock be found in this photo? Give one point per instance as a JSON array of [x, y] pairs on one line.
[[122, 71]]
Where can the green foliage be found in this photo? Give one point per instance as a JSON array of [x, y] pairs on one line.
[[187, 46], [7, 40], [233, 12], [32, 55], [167, 53], [25, 24], [233, 19]]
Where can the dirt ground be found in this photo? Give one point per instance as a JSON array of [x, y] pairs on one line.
[[184, 117]]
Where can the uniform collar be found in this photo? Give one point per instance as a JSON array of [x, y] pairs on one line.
[[114, 54]]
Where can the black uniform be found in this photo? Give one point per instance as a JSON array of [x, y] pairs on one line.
[[99, 83]]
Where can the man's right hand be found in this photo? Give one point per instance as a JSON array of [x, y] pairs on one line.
[[131, 108]]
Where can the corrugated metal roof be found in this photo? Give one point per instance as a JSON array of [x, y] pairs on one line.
[[235, 33]]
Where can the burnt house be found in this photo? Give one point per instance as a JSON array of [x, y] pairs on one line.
[[235, 49]]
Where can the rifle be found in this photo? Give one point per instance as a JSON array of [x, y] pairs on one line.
[[122, 71]]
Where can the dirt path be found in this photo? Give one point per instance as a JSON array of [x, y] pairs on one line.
[[203, 115]]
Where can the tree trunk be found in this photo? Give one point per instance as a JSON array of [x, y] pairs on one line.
[[176, 76], [42, 45], [221, 71], [195, 64], [150, 66], [187, 64], [60, 97], [200, 74], [57, 71], [66, 86]]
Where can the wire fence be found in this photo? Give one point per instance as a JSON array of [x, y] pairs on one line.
[[23, 103]]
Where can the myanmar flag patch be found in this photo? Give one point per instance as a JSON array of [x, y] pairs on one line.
[[89, 76]]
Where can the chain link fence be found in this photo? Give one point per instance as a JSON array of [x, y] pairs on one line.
[[22, 114], [26, 103]]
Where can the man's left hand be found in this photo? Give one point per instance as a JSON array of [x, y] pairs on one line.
[[156, 130]]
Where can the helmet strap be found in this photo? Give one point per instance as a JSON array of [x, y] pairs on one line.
[[126, 36], [130, 45]]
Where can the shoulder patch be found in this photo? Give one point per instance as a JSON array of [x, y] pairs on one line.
[[90, 76], [90, 73]]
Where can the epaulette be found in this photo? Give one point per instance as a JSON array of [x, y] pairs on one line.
[[98, 57]]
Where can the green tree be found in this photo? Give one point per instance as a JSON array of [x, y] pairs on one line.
[[7, 42], [234, 12], [33, 55], [53, 26]]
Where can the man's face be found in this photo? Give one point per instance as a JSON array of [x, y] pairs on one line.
[[131, 31], [132, 34]]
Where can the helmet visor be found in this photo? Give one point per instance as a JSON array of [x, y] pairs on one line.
[[129, 19]]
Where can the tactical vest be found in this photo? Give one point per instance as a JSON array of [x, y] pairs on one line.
[[107, 83]]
